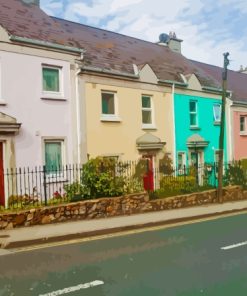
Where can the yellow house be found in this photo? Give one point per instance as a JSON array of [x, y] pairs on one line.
[[123, 117]]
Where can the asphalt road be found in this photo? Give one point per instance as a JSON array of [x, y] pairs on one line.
[[204, 258]]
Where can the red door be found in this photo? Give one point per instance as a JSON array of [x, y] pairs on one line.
[[2, 200], [148, 178]]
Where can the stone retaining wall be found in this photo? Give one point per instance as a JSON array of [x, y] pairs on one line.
[[109, 207]]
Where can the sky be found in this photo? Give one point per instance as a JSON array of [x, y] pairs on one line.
[[208, 28]]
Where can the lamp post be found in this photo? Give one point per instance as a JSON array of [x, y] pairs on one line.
[[222, 127]]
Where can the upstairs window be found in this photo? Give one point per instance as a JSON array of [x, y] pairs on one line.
[[242, 124], [108, 103], [217, 113], [193, 113], [51, 79], [147, 112]]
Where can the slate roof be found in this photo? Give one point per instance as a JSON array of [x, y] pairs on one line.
[[236, 81], [104, 49]]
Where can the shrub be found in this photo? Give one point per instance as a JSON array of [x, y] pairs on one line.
[[165, 165], [74, 191], [178, 182], [235, 174], [102, 177]]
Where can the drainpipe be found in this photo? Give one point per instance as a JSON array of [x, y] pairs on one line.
[[174, 131], [78, 117]]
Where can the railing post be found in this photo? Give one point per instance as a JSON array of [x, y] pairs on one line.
[[44, 184]]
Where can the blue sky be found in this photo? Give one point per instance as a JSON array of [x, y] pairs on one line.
[[208, 28]]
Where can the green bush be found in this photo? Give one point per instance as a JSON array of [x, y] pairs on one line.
[[102, 177], [178, 182], [74, 191], [235, 174]]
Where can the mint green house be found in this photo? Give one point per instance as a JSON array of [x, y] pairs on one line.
[[197, 129]]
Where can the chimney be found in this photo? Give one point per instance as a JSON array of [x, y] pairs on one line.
[[174, 43], [243, 70], [35, 2], [171, 41]]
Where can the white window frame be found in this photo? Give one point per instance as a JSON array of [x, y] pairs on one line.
[[53, 94], [60, 176], [151, 109], [194, 112], [242, 132], [110, 117], [215, 120]]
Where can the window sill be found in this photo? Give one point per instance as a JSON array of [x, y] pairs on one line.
[[53, 98], [217, 122], [149, 127], [195, 128], [243, 133], [3, 103], [110, 118]]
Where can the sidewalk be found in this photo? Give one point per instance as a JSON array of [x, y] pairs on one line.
[[41, 234]]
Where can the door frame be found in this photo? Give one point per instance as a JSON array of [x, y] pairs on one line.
[[200, 160], [2, 181]]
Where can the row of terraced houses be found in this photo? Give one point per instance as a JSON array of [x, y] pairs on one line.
[[69, 92]]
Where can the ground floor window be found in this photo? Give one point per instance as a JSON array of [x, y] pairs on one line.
[[54, 155], [181, 160]]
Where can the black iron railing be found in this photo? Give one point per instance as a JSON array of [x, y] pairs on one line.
[[24, 187]]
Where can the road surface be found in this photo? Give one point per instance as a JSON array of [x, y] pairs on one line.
[[203, 258]]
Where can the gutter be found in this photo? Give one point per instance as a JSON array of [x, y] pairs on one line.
[[239, 103], [46, 44], [172, 82], [105, 71], [174, 127], [214, 89], [78, 117]]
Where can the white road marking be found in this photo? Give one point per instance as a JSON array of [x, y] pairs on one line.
[[234, 246], [75, 288]]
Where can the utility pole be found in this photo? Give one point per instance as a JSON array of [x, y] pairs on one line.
[[222, 127]]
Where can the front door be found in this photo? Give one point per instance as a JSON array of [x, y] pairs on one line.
[[2, 199], [196, 160], [148, 178]]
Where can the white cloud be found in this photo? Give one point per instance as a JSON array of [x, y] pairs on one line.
[[119, 4]]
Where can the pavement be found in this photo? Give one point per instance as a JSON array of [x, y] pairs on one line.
[[43, 234]]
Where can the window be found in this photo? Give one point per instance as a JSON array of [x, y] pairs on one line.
[[54, 159], [217, 112], [147, 112], [242, 124], [108, 103], [51, 77], [181, 162], [193, 113], [109, 111]]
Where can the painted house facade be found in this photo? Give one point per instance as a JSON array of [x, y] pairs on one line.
[[197, 124], [38, 93]]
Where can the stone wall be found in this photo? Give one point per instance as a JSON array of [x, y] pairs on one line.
[[109, 207]]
